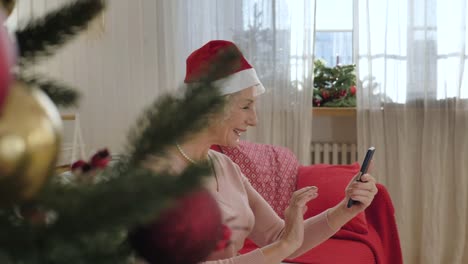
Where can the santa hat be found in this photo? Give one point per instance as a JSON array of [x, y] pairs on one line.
[[239, 74]]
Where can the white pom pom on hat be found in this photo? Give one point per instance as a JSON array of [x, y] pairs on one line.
[[240, 75]]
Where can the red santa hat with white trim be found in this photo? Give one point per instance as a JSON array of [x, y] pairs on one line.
[[239, 76]]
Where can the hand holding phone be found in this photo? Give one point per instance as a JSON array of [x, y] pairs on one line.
[[364, 167]]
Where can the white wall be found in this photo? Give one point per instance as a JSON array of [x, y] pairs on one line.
[[334, 129]]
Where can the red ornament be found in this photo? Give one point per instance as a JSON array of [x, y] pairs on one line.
[[100, 159], [325, 94], [343, 93], [97, 161], [87, 172], [352, 90], [80, 165], [6, 61], [184, 234], [317, 102]]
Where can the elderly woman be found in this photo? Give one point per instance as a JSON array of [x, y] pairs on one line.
[[237, 199]]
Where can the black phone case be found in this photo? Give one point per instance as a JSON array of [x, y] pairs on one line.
[[364, 167]]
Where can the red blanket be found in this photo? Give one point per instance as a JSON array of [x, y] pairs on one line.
[[380, 215], [382, 237]]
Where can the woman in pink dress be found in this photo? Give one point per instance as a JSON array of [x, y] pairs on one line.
[[278, 239]]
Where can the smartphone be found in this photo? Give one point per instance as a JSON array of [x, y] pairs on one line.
[[364, 166]]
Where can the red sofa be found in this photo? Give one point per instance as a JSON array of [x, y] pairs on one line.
[[275, 172]]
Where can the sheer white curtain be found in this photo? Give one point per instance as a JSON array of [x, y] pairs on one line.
[[413, 106], [278, 38], [141, 53]]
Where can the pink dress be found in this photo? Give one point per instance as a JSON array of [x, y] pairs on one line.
[[252, 216]]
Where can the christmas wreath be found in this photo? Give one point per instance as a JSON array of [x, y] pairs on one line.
[[334, 86]]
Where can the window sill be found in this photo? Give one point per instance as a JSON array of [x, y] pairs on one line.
[[334, 111]]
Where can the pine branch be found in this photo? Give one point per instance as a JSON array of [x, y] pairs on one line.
[[342, 102], [171, 118], [92, 220], [120, 202], [15, 237], [100, 249], [41, 37], [165, 121], [60, 93]]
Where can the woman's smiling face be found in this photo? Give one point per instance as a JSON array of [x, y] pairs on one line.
[[240, 115]]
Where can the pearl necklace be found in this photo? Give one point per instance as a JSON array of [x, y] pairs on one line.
[[184, 154]]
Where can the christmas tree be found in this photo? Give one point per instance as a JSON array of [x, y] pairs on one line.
[[117, 212]]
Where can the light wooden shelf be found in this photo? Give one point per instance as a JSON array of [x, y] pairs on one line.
[[62, 168], [68, 117], [334, 111]]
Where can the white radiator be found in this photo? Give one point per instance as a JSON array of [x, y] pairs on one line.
[[333, 153]]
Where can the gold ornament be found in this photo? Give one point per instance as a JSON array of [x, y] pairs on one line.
[[7, 6], [30, 135]]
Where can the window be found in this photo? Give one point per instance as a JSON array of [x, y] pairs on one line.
[[419, 55], [334, 31], [333, 36], [292, 29]]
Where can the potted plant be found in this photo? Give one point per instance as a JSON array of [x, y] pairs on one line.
[[334, 86]]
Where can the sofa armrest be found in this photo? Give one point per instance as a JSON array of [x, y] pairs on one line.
[[331, 181]]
